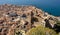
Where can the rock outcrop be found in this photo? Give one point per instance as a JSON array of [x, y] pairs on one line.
[[14, 18]]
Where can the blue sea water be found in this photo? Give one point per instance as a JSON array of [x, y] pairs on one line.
[[50, 6]]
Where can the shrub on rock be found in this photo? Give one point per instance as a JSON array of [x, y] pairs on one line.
[[57, 27], [40, 30]]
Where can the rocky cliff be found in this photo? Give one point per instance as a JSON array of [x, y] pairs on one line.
[[22, 18]]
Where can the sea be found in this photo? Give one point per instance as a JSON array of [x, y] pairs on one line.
[[50, 6]]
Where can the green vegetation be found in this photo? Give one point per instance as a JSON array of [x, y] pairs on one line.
[[58, 23], [40, 30], [57, 26]]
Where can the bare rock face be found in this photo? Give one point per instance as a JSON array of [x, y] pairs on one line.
[[14, 18]]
